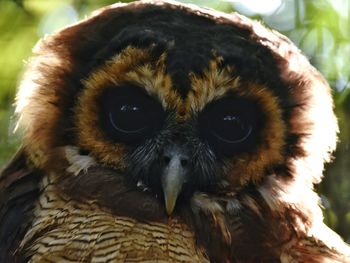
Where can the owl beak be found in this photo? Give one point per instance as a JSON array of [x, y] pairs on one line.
[[173, 178]]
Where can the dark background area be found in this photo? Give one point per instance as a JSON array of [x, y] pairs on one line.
[[321, 28]]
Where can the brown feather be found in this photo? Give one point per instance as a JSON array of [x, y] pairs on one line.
[[19, 190], [79, 231]]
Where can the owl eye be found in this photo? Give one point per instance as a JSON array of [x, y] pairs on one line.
[[129, 115], [230, 125]]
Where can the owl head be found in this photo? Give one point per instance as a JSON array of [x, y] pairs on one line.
[[178, 100]]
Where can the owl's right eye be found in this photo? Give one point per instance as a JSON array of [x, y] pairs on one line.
[[129, 115]]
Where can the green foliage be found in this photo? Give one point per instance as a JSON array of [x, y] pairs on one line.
[[321, 28]]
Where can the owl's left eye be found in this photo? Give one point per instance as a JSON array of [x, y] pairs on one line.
[[230, 125], [129, 115]]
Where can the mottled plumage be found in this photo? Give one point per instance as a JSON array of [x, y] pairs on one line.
[[161, 132]]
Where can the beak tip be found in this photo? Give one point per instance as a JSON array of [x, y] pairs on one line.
[[169, 212], [169, 207]]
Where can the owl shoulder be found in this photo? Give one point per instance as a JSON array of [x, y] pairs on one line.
[[19, 189]]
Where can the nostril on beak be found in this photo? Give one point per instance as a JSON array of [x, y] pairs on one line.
[[166, 159], [175, 155], [184, 162]]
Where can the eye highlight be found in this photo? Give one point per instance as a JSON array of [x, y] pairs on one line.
[[231, 128], [230, 125], [129, 115]]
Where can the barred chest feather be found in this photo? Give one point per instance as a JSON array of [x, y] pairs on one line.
[[65, 230]]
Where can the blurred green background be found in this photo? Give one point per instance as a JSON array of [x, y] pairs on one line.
[[321, 28]]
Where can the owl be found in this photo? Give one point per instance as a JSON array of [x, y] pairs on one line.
[[162, 132]]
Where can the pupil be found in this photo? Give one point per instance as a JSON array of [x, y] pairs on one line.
[[129, 108], [129, 114], [230, 128], [234, 122], [229, 125], [129, 118], [230, 118]]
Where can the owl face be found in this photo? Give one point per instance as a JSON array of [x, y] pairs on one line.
[[183, 104], [131, 116]]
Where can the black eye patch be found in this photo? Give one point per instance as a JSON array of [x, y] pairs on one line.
[[129, 115], [230, 125]]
